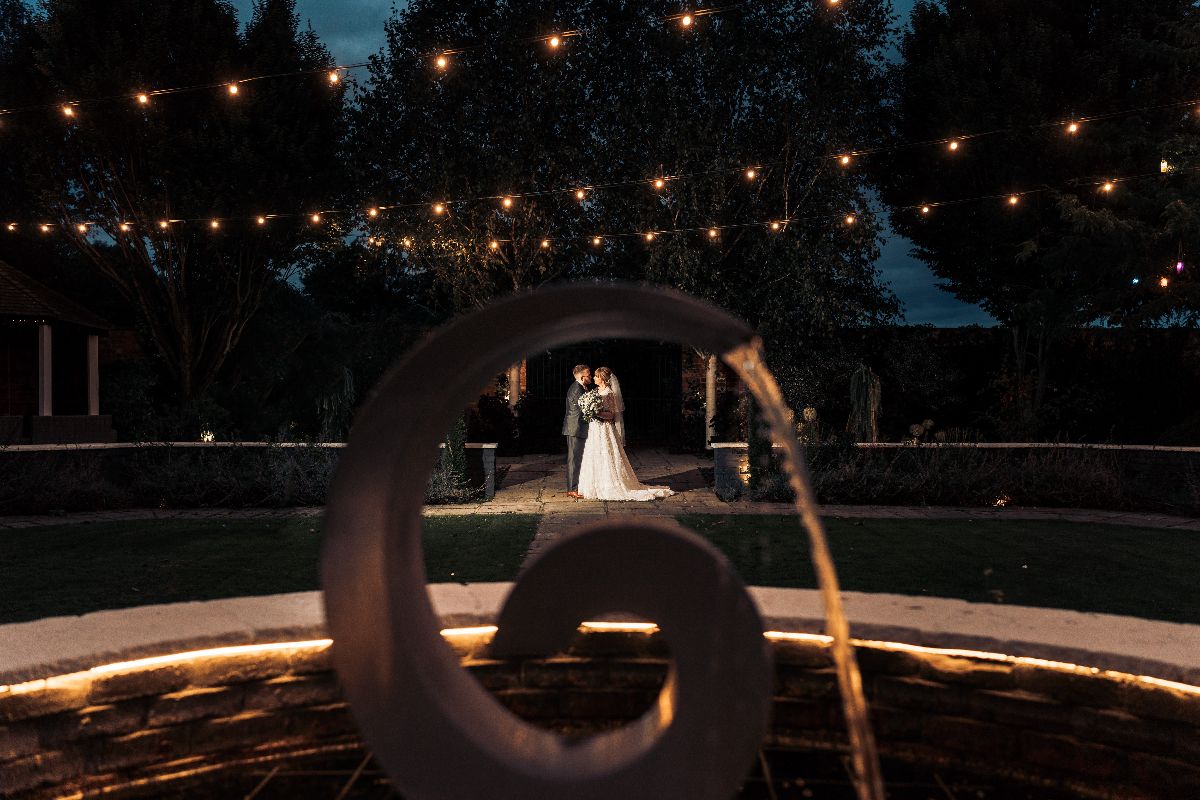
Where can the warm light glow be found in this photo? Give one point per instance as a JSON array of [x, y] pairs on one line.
[[713, 233], [751, 174], [438, 208], [775, 226], [1108, 187], [1165, 166], [216, 223], [1013, 199], [262, 220], [315, 219], [334, 77], [68, 111], [659, 183], [650, 236], [442, 62], [233, 88], [686, 20], [1164, 282], [407, 242], [545, 244], [619, 627], [953, 145], [12, 226], [1073, 127], [580, 194], [163, 224], [554, 41], [925, 209], [507, 202], [494, 244], [45, 228], [213, 652], [480, 630], [372, 212], [126, 227], [596, 240], [82, 228], [851, 219], [143, 98], [845, 160]]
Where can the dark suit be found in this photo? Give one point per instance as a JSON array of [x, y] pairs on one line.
[[576, 431]]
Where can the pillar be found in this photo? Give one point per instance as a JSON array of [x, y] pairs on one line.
[[93, 374], [45, 372], [710, 399], [514, 385]]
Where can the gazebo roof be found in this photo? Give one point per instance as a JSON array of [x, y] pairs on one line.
[[22, 298]]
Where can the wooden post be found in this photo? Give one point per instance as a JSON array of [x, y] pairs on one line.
[[514, 385], [45, 372], [710, 400], [93, 374]]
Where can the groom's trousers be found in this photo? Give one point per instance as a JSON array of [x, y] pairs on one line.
[[574, 459]]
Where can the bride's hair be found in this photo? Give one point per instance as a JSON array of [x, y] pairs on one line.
[[604, 374]]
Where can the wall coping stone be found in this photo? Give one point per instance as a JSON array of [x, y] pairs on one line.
[[61, 645]]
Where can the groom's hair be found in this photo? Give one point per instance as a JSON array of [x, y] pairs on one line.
[[579, 369]]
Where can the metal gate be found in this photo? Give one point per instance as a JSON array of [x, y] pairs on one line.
[[651, 375]]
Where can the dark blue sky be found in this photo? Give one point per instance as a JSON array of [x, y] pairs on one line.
[[353, 30]]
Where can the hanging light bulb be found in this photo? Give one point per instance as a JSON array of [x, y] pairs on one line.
[[125, 227], [1136, 281], [12, 227], [1013, 199], [45, 228], [81, 227], [334, 77], [439, 209], [315, 219], [953, 145], [214, 224], [554, 42], [925, 209], [164, 224], [597, 241], [261, 220], [686, 20], [68, 111], [372, 212], [507, 202], [751, 174], [851, 219], [650, 236], [1108, 187], [1164, 282], [442, 62], [580, 194], [713, 233], [545, 244], [494, 244], [143, 99], [776, 226], [233, 88], [407, 242], [1178, 267], [845, 161], [659, 183], [1073, 128]]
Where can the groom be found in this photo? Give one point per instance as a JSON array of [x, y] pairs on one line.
[[575, 429]]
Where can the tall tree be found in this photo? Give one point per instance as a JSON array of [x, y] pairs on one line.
[[1077, 252], [119, 167], [626, 96]]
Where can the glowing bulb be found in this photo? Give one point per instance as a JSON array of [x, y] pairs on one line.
[[596, 240], [1165, 166], [334, 77], [163, 224], [261, 220], [494, 244], [315, 219], [953, 145], [216, 223], [442, 62], [372, 212], [851, 219], [776, 226], [125, 227], [659, 183], [1013, 199], [143, 98], [545, 244], [45, 228], [233, 88], [1108, 187], [81, 228], [580, 194], [845, 161], [712, 233], [12, 226], [68, 111], [925, 209], [686, 20], [751, 174], [438, 208], [1163, 282], [650, 236], [1073, 127], [555, 41], [507, 202]]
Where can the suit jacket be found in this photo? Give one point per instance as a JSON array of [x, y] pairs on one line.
[[573, 424]]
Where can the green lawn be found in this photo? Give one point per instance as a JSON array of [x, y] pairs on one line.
[[73, 569], [1137, 572]]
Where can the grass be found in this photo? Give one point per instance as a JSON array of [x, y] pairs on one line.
[[74, 569], [1137, 572]]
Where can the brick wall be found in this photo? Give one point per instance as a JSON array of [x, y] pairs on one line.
[[1102, 735]]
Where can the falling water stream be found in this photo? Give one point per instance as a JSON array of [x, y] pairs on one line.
[[748, 362]]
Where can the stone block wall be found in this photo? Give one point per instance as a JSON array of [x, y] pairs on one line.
[[1035, 723]]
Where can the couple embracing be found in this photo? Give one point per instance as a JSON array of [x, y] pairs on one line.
[[597, 467]]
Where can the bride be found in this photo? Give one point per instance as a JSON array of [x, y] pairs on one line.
[[606, 473]]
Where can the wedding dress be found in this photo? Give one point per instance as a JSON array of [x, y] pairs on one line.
[[606, 473]]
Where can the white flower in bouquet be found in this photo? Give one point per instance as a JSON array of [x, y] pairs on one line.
[[591, 404]]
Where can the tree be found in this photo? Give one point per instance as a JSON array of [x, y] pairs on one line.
[[1073, 254], [188, 157], [782, 88]]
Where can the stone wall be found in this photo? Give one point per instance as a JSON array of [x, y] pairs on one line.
[[1099, 734]]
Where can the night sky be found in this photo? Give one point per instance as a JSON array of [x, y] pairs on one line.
[[353, 30]]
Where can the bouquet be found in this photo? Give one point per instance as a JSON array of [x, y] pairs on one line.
[[591, 404]]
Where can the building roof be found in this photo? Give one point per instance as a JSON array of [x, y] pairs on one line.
[[24, 299]]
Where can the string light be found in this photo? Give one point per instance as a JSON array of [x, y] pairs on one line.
[[507, 202], [597, 241], [372, 212], [233, 88], [845, 161], [45, 228], [686, 20], [214, 224], [442, 62], [1164, 282], [649, 236], [953, 145], [143, 98], [125, 227], [334, 77], [545, 244], [751, 174], [776, 226], [851, 219], [1073, 128], [1108, 187], [580, 194], [81, 227], [1013, 199], [315, 219], [659, 183], [925, 209], [164, 224], [712, 233], [261, 220], [68, 111], [439, 209], [554, 41], [494, 244]]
